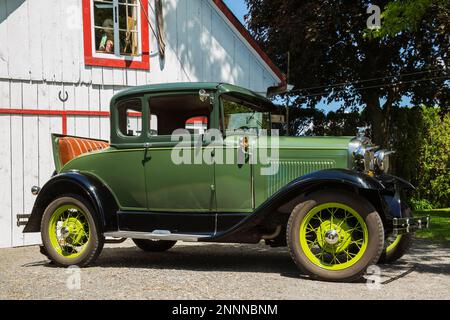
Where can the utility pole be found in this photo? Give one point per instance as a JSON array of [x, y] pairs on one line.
[[287, 93]]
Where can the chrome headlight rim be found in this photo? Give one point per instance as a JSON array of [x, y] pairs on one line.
[[366, 157], [382, 160]]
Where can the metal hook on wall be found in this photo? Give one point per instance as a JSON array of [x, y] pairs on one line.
[[65, 98]]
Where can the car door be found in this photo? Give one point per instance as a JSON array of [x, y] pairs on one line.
[[179, 194], [234, 178]]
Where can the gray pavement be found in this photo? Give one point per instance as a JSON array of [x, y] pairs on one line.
[[215, 271]]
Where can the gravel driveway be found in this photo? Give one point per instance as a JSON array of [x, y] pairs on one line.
[[213, 271]]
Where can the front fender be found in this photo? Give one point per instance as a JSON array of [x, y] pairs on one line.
[[369, 187], [82, 184]]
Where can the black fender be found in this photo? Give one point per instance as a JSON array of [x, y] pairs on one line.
[[83, 184], [367, 186]]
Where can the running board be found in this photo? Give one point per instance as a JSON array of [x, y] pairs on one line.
[[156, 235]]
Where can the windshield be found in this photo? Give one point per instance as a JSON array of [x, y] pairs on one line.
[[243, 116]]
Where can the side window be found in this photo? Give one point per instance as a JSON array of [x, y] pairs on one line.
[[130, 118], [240, 116], [186, 111]]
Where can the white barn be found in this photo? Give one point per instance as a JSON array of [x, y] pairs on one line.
[[62, 61]]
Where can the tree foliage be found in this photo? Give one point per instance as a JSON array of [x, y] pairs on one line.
[[401, 15], [420, 136], [333, 57], [433, 171]]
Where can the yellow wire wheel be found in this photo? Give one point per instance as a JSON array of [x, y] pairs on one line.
[[333, 236], [69, 231]]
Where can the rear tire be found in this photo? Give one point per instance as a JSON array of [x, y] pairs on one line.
[[70, 233], [154, 245], [335, 236]]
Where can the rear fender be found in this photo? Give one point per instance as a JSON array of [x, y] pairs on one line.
[[83, 184]]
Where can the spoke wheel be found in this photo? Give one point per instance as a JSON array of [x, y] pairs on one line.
[[69, 232], [333, 236]]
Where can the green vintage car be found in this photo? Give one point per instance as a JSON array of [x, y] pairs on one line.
[[200, 162]]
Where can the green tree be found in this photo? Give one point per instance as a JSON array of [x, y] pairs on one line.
[[401, 15], [333, 57], [434, 158]]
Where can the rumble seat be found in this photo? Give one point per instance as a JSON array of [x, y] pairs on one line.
[[70, 147]]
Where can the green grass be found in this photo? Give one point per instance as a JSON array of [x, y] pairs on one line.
[[439, 226]]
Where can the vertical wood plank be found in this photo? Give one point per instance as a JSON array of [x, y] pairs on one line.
[[82, 103], [97, 75], [34, 44], [6, 221], [17, 202], [3, 39], [30, 167], [108, 76], [17, 28], [46, 165], [118, 77], [51, 22], [5, 100], [94, 105], [16, 95], [106, 93]]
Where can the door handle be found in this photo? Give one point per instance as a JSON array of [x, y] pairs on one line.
[[146, 157]]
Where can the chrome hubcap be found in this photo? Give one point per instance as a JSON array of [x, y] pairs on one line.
[[65, 232], [332, 237]]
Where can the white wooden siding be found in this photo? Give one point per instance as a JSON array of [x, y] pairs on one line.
[[41, 55]]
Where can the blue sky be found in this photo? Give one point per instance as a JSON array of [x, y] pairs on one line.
[[238, 7]]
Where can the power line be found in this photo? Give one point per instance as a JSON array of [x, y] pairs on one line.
[[363, 81], [378, 86]]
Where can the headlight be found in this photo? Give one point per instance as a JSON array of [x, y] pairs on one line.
[[381, 160], [364, 157]]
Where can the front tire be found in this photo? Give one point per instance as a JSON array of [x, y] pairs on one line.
[[397, 247], [70, 233], [154, 245], [335, 236]]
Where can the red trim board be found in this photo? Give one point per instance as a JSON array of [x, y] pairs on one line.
[[61, 113]]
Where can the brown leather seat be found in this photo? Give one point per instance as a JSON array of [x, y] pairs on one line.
[[70, 147]]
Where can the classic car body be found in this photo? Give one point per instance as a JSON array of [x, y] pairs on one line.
[[136, 190]]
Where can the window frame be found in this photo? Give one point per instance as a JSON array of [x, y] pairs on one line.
[[166, 140], [257, 108], [92, 58]]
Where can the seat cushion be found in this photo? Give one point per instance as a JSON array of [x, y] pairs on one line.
[[70, 147]]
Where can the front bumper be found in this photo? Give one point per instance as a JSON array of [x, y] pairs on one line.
[[409, 225]]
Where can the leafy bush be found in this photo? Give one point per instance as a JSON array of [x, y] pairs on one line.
[[420, 136], [433, 172], [420, 204]]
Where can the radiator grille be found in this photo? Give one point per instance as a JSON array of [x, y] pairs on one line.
[[290, 170]]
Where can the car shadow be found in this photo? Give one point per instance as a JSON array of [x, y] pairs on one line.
[[211, 257], [422, 258]]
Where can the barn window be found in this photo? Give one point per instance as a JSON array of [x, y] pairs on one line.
[[116, 33]]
